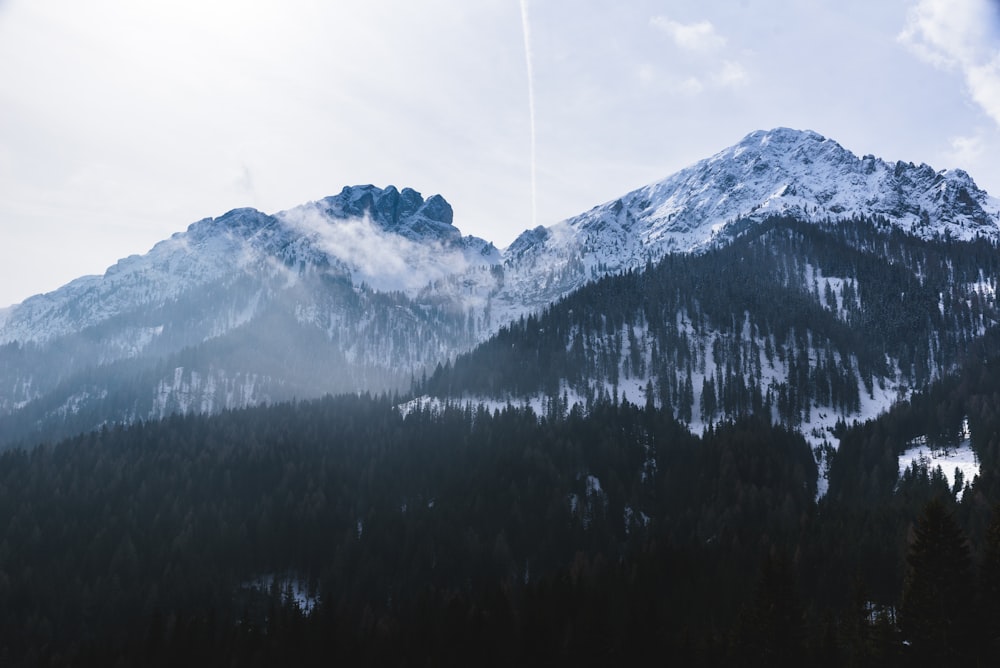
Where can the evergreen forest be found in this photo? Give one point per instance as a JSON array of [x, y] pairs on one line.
[[346, 531], [788, 318]]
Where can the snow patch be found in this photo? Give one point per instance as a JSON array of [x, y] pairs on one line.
[[949, 459]]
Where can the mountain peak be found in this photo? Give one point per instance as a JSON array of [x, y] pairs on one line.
[[382, 280], [786, 144], [803, 173], [243, 221], [782, 171], [403, 212], [781, 135]]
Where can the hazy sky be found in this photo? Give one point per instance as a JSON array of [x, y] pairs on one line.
[[122, 122]]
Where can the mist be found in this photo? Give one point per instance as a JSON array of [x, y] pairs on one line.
[[383, 260]]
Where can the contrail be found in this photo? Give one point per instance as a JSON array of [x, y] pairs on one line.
[[531, 109]]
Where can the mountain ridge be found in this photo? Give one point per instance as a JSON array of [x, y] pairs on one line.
[[775, 172], [369, 288], [781, 171], [242, 238]]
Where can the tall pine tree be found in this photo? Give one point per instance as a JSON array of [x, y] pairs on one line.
[[989, 588], [936, 613]]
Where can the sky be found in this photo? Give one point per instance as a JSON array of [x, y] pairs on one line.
[[122, 122]]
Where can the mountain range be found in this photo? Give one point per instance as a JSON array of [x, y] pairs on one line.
[[783, 273]]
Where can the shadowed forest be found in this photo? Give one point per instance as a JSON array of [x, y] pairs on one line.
[[461, 536]]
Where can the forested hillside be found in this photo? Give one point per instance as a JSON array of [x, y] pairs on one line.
[[347, 530], [788, 321], [280, 356], [698, 462]]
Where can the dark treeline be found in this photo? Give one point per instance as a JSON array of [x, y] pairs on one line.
[[867, 491], [463, 536], [383, 515]]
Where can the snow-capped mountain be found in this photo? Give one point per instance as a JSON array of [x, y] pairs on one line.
[[779, 172], [391, 240], [372, 287], [394, 240], [331, 296]]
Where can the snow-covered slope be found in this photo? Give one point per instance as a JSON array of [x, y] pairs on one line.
[[390, 240], [782, 171], [355, 291], [394, 240]]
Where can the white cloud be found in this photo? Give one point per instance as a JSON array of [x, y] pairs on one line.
[[244, 183], [700, 36], [691, 86], [732, 75], [960, 35], [965, 150], [984, 85], [646, 73], [384, 260], [711, 70]]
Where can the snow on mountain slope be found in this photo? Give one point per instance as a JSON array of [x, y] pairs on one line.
[[392, 240], [782, 171], [208, 251], [383, 283], [356, 291], [389, 240]]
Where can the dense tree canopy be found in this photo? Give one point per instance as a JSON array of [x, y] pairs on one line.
[[453, 533]]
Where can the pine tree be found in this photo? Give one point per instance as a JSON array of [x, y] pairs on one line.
[[708, 403], [773, 633], [989, 588], [935, 615]]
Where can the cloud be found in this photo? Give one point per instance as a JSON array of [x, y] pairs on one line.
[[960, 35], [244, 184], [698, 37], [690, 86], [710, 69], [984, 86], [383, 260], [966, 150], [646, 73], [732, 75]]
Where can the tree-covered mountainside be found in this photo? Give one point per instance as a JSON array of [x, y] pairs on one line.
[[278, 356], [793, 321], [688, 426], [808, 323], [351, 293], [346, 529], [375, 511]]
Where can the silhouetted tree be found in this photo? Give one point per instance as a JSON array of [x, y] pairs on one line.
[[936, 612]]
